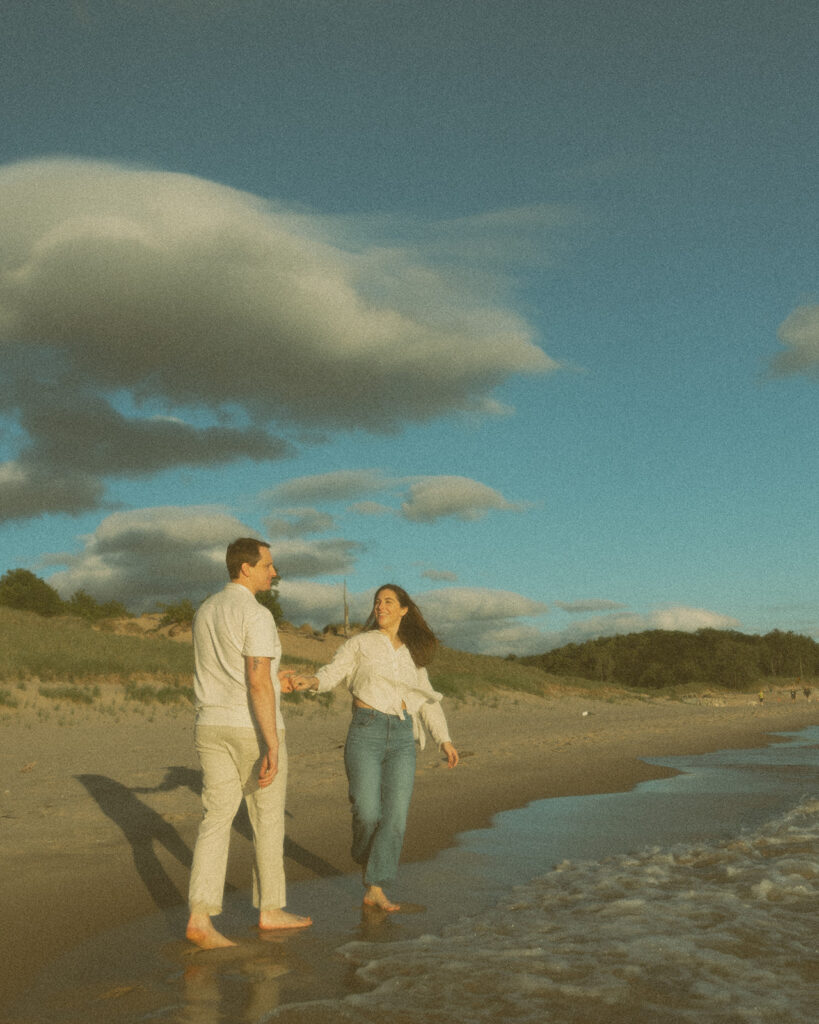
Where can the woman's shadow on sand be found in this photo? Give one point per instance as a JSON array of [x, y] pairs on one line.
[[144, 828]]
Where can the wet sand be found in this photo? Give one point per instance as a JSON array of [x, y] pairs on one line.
[[99, 806]]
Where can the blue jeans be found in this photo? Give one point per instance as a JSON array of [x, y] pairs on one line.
[[379, 756]]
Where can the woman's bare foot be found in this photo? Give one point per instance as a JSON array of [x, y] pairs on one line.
[[270, 920], [375, 897], [200, 932]]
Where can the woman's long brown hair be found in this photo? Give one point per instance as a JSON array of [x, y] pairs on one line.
[[413, 631]]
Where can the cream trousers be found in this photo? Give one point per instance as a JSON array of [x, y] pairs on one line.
[[230, 759]]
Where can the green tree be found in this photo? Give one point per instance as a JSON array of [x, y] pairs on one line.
[[180, 614], [21, 589], [84, 606], [735, 665], [270, 600]]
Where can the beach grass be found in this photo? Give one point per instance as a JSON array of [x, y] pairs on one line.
[[7, 699], [69, 650], [71, 694]]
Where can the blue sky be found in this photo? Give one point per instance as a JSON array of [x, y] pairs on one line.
[[514, 304]]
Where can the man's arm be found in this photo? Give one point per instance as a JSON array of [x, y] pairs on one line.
[[263, 702]]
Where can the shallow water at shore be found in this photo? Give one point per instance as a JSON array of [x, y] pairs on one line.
[[689, 898]]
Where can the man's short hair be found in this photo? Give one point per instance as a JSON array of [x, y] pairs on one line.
[[241, 550]]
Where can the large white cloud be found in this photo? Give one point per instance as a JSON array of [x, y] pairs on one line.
[[165, 288], [151, 556], [156, 556], [170, 285], [800, 335]]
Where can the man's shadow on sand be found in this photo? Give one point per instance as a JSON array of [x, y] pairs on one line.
[[144, 827]]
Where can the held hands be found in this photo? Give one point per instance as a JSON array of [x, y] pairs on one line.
[[292, 682], [286, 680]]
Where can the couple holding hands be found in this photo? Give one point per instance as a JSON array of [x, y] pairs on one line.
[[239, 736]]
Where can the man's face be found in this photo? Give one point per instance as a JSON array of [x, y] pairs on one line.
[[261, 575]]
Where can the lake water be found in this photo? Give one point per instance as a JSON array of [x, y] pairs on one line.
[[689, 899]]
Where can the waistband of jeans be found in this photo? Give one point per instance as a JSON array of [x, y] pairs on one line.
[[382, 714]]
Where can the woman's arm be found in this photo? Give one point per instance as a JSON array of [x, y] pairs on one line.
[[434, 720], [328, 676]]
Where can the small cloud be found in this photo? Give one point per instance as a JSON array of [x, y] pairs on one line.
[[477, 604], [439, 575], [436, 497], [296, 522], [584, 607], [800, 335], [301, 558], [321, 604], [342, 485], [479, 619], [689, 620], [674, 617], [29, 491], [371, 508], [424, 499]]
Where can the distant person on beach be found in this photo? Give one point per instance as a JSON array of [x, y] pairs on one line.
[[761, 696], [806, 692], [239, 737], [385, 670]]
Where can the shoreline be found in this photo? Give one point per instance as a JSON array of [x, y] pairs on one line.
[[99, 815]]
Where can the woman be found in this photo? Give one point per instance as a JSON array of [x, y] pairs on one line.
[[385, 670]]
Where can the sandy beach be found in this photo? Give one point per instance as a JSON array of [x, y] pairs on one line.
[[99, 805]]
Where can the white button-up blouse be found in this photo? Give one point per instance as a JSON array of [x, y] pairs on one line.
[[388, 680]]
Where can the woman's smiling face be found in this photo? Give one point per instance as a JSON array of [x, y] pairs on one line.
[[388, 611]]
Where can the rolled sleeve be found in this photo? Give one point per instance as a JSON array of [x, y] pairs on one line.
[[432, 715], [424, 703], [341, 667]]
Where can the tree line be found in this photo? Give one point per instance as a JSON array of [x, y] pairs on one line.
[[23, 590], [659, 658]]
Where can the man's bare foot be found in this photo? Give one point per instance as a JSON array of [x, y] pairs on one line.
[[271, 920], [375, 897], [200, 932]]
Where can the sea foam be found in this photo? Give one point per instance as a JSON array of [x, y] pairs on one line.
[[712, 932]]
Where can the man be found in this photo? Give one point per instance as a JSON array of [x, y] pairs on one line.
[[239, 738]]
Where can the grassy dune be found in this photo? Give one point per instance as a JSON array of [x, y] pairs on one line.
[[68, 659], [69, 650]]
